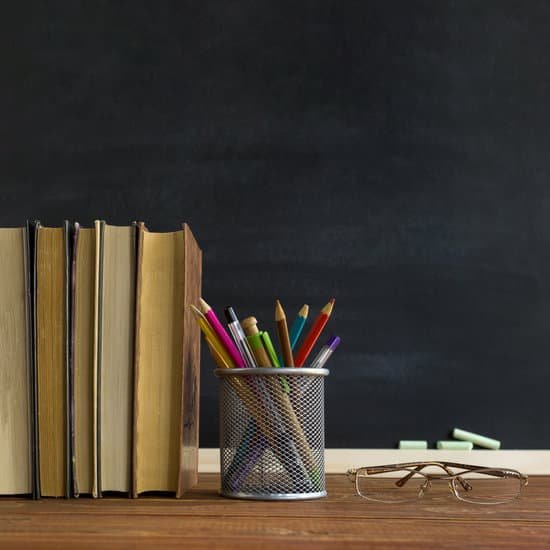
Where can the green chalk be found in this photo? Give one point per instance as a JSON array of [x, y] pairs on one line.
[[476, 439], [455, 445], [413, 444]]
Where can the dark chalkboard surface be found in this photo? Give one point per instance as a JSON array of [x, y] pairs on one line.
[[394, 155]]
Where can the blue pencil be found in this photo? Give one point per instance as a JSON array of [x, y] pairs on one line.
[[298, 325]]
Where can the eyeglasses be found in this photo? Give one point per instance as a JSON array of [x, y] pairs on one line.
[[409, 481]]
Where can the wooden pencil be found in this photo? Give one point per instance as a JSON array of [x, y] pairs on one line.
[[284, 339], [298, 325], [313, 334]]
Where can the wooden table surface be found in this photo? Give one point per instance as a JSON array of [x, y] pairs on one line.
[[342, 520]]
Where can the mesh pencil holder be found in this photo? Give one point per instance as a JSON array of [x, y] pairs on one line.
[[272, 433]]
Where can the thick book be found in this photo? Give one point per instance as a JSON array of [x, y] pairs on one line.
[[16, 475], [167, 357], [84, 448], [51, 317], [103, 313], [115, 288]]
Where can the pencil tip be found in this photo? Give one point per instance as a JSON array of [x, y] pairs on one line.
[[279, 311], [204, 306], [328, 308]]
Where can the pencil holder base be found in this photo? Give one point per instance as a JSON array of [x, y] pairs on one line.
[[272, 433], [275, 496]]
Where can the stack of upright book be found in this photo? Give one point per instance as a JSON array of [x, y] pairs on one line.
[[99, 360]]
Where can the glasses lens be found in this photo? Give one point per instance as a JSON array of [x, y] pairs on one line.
[[395, 486], [488, 486]]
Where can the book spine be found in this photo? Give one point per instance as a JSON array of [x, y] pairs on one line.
[[32, 240], [67, 336], [75, 489]]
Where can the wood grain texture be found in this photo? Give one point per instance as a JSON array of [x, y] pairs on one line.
[[205, 520]]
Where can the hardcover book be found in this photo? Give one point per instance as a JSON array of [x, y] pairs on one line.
[[82, 350], [15, 380], [52, 359], [167, 359], [115, 271]]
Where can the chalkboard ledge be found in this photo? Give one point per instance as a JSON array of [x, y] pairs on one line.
[[337, 461]]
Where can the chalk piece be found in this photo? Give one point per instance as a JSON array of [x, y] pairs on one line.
[[476, 439], [455, 445], [413, 444]]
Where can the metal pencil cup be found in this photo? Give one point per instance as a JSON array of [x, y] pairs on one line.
[[272, 433]]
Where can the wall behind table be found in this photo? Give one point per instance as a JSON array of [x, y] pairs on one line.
[[391, 154]]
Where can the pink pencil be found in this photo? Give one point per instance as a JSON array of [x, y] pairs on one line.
[[222, 334]]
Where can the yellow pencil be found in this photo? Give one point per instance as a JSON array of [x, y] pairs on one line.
[[211, 337]]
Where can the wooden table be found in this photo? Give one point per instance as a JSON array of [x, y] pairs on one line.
[[343, 520]]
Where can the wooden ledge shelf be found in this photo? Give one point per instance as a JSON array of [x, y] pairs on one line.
[[205, 520]]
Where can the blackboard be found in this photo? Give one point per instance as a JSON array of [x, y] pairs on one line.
[[393, 155]]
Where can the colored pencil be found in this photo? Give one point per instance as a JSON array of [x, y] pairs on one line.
[[313, 334], [280, 391], [298, 325], [268, 345], [222, 334], [284, 339], [261, 345], [212, 338]]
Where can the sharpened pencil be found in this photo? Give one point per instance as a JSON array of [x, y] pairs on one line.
[[313, 334], [298, 325], [284, 339]]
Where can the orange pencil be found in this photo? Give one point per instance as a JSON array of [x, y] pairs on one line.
[[313, 334]]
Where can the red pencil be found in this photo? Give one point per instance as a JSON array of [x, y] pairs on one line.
[[313, 334]]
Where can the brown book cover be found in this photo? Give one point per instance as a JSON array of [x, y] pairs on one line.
[[166, 363], [189, 443], [52, 359]]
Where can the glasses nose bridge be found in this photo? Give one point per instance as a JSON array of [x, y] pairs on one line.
[[425, 486]]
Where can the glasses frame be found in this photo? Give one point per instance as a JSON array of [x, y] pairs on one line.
[[452, 478]]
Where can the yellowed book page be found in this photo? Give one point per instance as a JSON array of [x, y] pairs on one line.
[[159, 356], [117, 352], [83, 359], [15, 467], [98, 286], [50, 342]]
